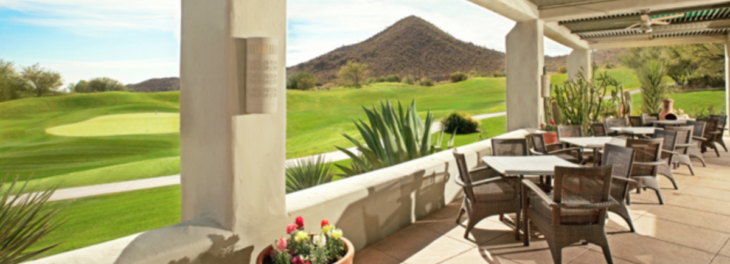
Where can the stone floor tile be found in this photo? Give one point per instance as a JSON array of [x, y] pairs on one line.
[[485, 230], [698, 203], [641, 249], [719, 259], [418, 244], [372, 255], [683, 234], [478, 255], [725, 251], [712, 193], [689, 216], [538, 252], [593, 256], [448, 212]]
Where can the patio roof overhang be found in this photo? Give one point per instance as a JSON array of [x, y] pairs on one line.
[[602, 24]]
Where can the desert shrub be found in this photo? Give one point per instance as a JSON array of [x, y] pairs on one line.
[[563, 69], [425, 81], [390, 78], [460, 121], [458, 77], [327, 86], [307, 173], [301, 81], [408, 79], [474, 73], [609, 65], [353, 74], [370, 81], [498, 74]]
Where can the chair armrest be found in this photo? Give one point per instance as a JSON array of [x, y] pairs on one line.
[[537, 190], [670, 152], [684, 145], [623, 179], [535, 153], [699, 138], [650, 163], [606, 204], [563, 150], [476, 183], [554, 144]]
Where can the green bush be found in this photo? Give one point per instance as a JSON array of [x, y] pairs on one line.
[[563, 70], [425, 81], [474, 73], [390, 78], [461, 122], [498, 74], [370, 81], [408, 79], [458, 77], [301, 81]]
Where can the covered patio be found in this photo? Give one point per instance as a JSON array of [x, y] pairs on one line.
[[693, 226], [233, 195]]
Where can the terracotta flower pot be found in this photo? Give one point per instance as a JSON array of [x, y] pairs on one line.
[[347, 259], [550, 137]]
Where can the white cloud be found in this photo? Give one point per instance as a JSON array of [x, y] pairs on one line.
[[88, 16]]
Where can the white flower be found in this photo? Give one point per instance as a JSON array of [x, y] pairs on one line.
[[319, 240]]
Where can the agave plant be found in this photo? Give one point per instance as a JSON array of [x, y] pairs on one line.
[[391, 137], [24, 220], [307, 173]]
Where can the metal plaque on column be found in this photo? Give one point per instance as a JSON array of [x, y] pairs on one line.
[[262, 67]]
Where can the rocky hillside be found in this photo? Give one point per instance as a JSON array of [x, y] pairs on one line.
[[156, 85]]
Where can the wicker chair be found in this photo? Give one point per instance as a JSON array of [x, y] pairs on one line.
[[647, 160], [721, 120], [599, 129], [540, 148], [635, 121], [574, 212], [646, 118], [616, 122], [695, 151], [621, 159], [510, 147], [483, 198], [668, 153], [681, 149], [710, 137], [570, 131]]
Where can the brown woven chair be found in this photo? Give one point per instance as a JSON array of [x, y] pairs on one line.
[[721, 120], [540, 148], [490, 196], [684, 143], [616, 122], [574, 212], [695, 151], [647, 118], [599, 129], [668, 153], [570, 131], [635, 121], [711, 133], [647, 160], [510, 147], [621, 159]]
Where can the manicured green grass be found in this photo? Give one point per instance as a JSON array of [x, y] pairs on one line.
[[99, 219], [690, 102], [625, 77], [491, 127], [121, 124]]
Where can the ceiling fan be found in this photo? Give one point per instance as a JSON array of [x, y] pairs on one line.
[[647, 21]]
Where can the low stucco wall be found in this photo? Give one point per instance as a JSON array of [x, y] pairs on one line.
[[366, 207]]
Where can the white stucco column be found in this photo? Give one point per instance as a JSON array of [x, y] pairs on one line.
[[524, 63], [727, 76], [580, 59], [232, 163]]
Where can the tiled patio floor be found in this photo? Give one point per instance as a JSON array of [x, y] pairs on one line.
[[693, 226]]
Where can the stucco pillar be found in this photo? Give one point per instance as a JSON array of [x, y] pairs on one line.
[[580, 59], [232, 163], [727, 76], [524, 63]]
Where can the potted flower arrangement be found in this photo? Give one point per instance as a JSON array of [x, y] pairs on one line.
[[326, 247], [551, 135]]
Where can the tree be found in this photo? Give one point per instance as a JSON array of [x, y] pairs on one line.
[[12, 86], [353, 73], [651, 75], [105, 84], [41, 81], [82, 87], [301, 81], [563, 70]]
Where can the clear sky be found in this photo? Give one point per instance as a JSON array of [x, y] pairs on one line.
[[134, 40]]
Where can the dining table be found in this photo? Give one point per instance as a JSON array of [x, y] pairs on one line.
[[634, 131], [595, 143], [519, 166]]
